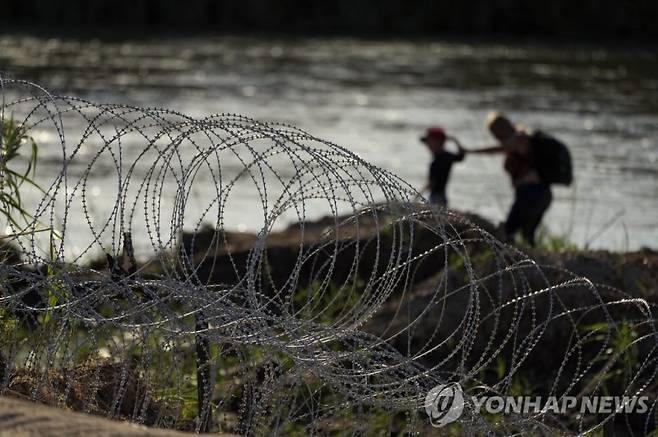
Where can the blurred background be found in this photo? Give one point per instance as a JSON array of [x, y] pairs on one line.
[[372, 75]]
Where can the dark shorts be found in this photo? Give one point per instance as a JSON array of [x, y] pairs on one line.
[[530, 204]]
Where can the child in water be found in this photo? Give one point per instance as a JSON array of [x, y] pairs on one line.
[[435, 139]]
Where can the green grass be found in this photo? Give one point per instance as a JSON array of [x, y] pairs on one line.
[[18, 163], [547, 242]]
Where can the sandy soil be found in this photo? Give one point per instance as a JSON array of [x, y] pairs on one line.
[[20, 418]]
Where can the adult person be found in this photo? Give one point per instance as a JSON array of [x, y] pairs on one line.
[[532, 194], [439, 174]]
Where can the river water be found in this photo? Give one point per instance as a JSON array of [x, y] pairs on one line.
[[376, 98]]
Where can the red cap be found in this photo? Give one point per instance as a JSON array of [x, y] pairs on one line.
[[434, 132]]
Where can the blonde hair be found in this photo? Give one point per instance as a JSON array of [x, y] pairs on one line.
[[495, 117]]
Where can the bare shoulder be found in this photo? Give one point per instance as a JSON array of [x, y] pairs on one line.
[[518, 142]]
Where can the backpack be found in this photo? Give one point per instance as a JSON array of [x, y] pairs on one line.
[[552, 159]]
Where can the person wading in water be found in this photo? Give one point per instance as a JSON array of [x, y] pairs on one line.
[[524, 157], [435, 138]]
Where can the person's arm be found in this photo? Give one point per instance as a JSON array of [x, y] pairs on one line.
[[485, 150], [459, 156], [461, 152]]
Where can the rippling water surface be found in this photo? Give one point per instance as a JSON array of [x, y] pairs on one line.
[[376, 97]]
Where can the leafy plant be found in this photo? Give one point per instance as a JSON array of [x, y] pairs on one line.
[[621, 358], [16, 146], [553, 243]]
